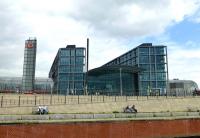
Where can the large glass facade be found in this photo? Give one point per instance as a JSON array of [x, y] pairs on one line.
[[153, 62], [28, 78], [67, 70], [113, 80]]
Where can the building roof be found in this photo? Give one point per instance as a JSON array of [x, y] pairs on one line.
[[113, 69]]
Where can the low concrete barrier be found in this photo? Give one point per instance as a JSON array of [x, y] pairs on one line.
[[164, 114], [179, 114], [35, 117], [193, 113], [103, 116], [84, 116], [10, 118], [144, 115], [61, 116], [98, 116], [125, 115]]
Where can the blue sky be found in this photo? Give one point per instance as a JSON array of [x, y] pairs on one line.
[[184, 31], [113, 26]]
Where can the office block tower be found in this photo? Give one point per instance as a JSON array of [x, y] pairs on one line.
[[28, 78], [67, 70]]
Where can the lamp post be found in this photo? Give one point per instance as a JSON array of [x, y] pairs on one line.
[[120, 76], [51, 85]]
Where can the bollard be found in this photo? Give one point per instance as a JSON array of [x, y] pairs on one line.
[[103, 98], [91, 98]]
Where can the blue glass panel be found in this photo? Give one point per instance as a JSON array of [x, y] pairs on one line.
[[144, 51], [79, 52], [159, 50], [144, 59]]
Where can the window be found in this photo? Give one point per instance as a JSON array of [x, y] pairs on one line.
[[143, 51], [159, 50], [161, 84], [78, 77], [72, 61], [79, 60], [160, 67], [145, 67], [79, 52], [64, 69], [79, 85], [144, 59], [152, 59], [152, 51], [65, 53], [152, 67], [160, 59], [79, 69], [144, 76], [161, 76], [64, 61], [72, 52]]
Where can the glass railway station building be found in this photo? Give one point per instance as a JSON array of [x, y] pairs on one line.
[[140, 71]]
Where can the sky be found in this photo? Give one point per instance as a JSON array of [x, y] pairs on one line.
[[113, 26]]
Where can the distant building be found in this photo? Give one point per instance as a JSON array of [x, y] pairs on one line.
[[153, 60], [67, 70], [28, 78], [182, 87], [14, 85]]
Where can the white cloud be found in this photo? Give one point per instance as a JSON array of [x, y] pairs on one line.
[[133, 18]]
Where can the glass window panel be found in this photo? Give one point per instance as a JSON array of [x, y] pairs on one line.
[[152, 51], [79, 60], [65, 53], [144, 59], [152, 59], [146, 67], [144, 51], [161, 76], [160, 67], [153, 76], [64, 61], [79, 52], [153, 84], [160, 59], [159, 50], [79, 69], [72, 52], [161, 84], [72, 61], [153, 68], [144, 76]]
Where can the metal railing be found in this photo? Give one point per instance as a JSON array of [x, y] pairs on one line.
[[25, 100]]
